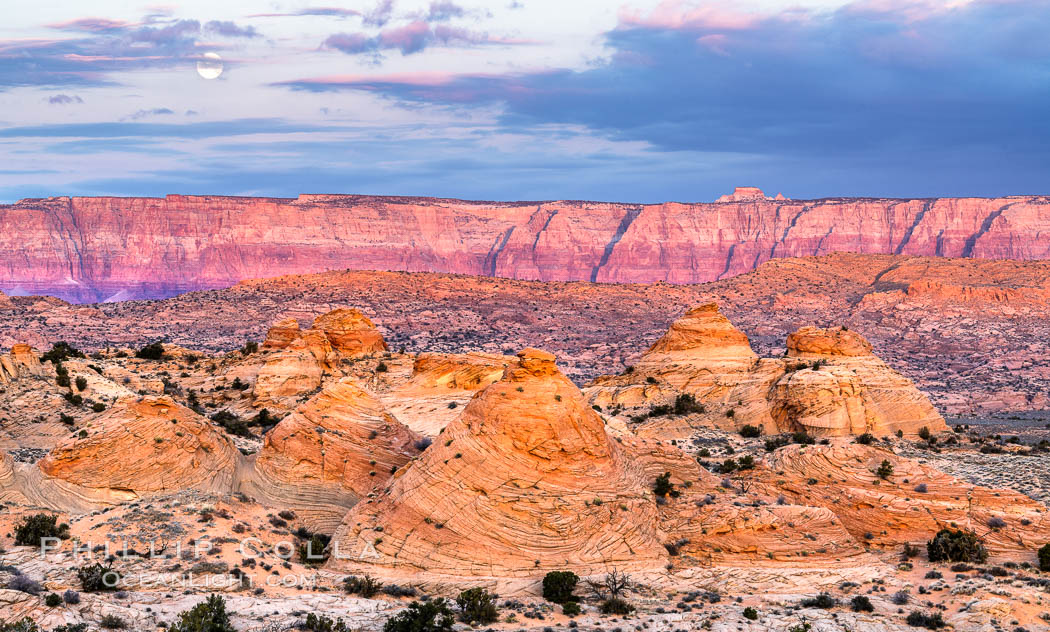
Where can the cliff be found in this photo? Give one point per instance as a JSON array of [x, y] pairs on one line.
[[96, 249]]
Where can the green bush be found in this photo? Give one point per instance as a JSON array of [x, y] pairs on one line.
[[366, 586], [823, 600], [152, 351], [422, 616], [22, 625], [32, 530], [615, 605], [860, 603], [207, 616], [750, 432], [312, 551], [558, 586], [81, 383], [922, 620], [1044, 558], [98, 578], [60, 351], [477, 605], [751, 614], [663, 486], [53, 600], [951, 545], [924, 433], [112, 622], [686, 404], [571, 609], [865, 439], [321, 623], [885, 470], [232, 424]]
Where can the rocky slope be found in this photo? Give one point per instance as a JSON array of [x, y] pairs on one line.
[[93, 249]]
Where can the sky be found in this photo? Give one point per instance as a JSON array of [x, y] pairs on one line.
[[631, 101]]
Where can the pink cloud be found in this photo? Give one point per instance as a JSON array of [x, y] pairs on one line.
[[92, 25], [677, 15]]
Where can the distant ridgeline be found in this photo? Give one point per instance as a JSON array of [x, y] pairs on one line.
[[97, 249]]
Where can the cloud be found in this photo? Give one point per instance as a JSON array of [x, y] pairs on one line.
[[211, 129], [230, 29], [336, 12], [864, 83], [93, 25], [380, 14], [64, 99], [147, 113], [441, 10], [411, 38]]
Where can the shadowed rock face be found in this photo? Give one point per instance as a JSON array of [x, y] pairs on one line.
[[331, 452], [181, 243], [526, 479]]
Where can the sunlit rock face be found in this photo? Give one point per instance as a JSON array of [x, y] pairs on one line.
[[181, 243]]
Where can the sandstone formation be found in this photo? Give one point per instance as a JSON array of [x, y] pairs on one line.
[[301, 358], [21, 361], [830, 383], [441, 383], [526, 480], [897, 510], [330, 452], [142, 446], [181, 243]]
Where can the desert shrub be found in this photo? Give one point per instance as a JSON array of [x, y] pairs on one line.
[[382, 367], [778, 441], [74, 399], [71, 597], [729, 465], [924, 433], [558, 586], [366, 586], [885, 470], [951, 545], [22, 625], [207, 616], [571, 609], [98, 407], [26, 584], [231, 423], [747, 462], [823, 600], [397, 590], [60, 351], [71, 627], [865, 439], [424, 443], [434, 615], [686, 404], [81, 383], [32, 530], [1044, 558], [750, 432], [52, 600], [750, 614], [112, 622], [995, 522], [802, 437], [860, 603], [900, 598], [312, 551], [152, 351], [615, 605], [250, 347], [477, 605], [61, 374], [321, 623], [922, 488], [663, 486], [98, 578], [919, 619]]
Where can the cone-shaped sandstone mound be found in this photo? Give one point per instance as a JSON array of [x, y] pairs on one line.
[[142, 446], [847, 390], [301, 358], [829, 385], [440, 384], [525, 481], [910, 505], [330, 452], [21, 361]]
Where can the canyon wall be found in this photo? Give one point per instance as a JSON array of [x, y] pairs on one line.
[[98, 249]]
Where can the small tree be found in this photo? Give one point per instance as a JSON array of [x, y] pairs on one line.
[[885, 470], [207, 616], [558, 586], [422, 616], [60, 351], [951, 545], [1044, 558], [32, 530], [152, 351], [98, 578], [477, 606], [663, 486], [750, 432]]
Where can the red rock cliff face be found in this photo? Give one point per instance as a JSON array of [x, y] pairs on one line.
[[94, 249]]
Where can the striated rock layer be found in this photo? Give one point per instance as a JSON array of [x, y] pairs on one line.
[[526, 480], [93, 249], [20, 362], [330, 453]]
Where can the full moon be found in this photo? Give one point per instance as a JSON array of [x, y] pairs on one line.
[[210, 67]]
